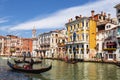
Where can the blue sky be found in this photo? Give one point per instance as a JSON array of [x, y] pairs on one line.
[[18, 17]]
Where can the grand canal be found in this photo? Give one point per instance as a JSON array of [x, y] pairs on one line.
[[64, 71]]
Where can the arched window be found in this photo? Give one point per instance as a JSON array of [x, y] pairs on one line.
[[74, 36]]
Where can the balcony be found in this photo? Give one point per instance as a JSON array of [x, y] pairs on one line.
[[109, 49], [118, 35], [61, 44], [76, 42]]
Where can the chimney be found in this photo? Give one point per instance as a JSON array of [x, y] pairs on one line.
[[77, 17], [80, 16], [92, 13], [71, 19], [102, 13], [109, 16]]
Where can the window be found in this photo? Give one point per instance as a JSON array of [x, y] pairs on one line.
[[87, 46], [118, 11], [74, 26], [110, 55], [78, 37], [119, 20], [71, 38], [83, 36], [82, 46], [87, 37], [104, 18], [67, 28], [52, 40], [56, 35], [82, 23], [78, 25], [99, 17], [86, 24], [71, 27], [56, 40]]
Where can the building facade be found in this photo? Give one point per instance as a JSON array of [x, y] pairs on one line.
[[61, 49], [2, 45], [105, 34], [27, 45], [118, 30], [48, 44], [81, 38], [12, 45]]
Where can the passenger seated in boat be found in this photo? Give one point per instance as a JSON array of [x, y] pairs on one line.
[[27, 67]]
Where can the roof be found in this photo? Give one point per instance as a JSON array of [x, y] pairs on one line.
[[2, 37], [118, 5]]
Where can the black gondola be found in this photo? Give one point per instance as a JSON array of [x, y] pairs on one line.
[[18, 61], [35, 71]]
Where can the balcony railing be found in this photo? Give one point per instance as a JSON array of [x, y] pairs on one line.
[[61, 44], [76, 42], [118, 36], [109, 49]]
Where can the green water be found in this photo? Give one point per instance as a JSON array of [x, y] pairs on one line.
[[64, 71]]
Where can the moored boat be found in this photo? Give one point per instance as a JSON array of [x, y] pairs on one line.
[[71, 62], [35, 71], [118, 64], [34, 62]]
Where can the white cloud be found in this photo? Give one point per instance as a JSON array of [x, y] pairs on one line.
[[59, 18], [3, 20]]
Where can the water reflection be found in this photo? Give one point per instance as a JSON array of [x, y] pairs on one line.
[[64, 71]]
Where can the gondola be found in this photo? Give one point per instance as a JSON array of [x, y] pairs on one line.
[[18, 61], [35, 71]]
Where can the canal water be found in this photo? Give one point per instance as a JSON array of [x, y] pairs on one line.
[[64, 71]]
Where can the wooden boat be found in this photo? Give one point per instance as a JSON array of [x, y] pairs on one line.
[[118, 64], [71, 62], [18, 61], [35, 71]]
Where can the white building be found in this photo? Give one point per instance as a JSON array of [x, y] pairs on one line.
[[106, 39], [110, 42], [48, 44], [118, 31], [2, 41]]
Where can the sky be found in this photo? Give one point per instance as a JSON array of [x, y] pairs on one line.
[[19, 17]]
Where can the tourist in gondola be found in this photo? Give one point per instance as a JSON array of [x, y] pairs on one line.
[[30, 65]]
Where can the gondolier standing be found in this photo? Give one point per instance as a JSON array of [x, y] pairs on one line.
[[24, 56], [31, 63]]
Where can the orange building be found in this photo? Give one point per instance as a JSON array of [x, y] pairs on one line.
[[27, 44]]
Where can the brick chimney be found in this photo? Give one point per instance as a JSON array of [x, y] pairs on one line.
[[92, 14], [80, 16], [77, 17], [109, 16], [102, 13]]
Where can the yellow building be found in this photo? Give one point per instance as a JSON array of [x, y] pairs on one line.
[[81, 38]]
